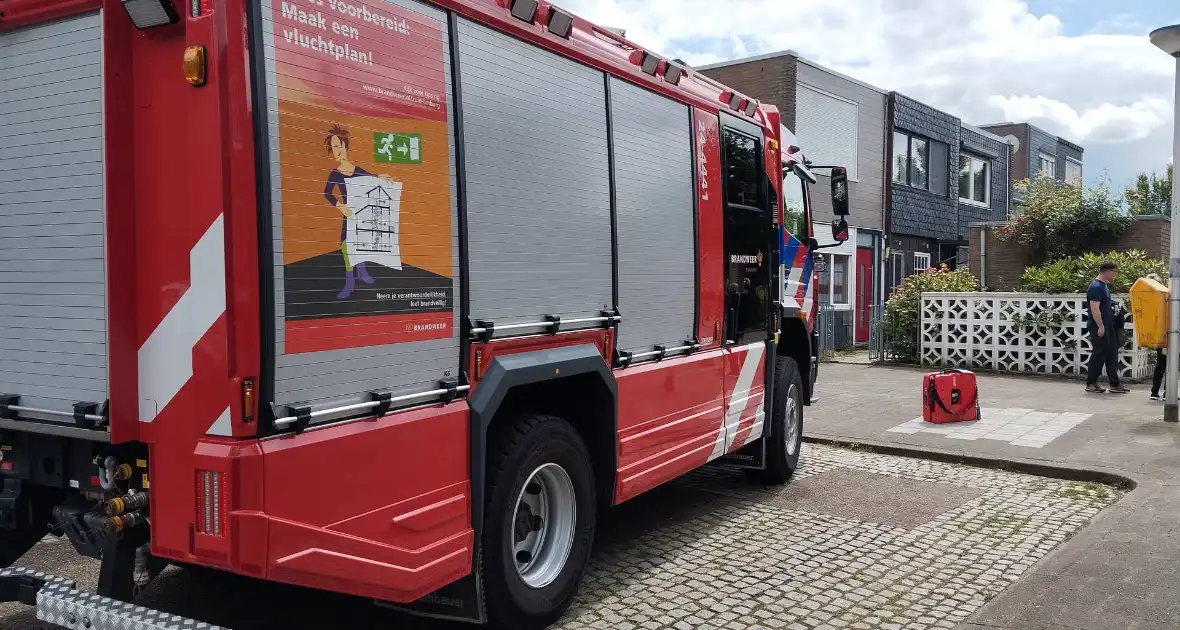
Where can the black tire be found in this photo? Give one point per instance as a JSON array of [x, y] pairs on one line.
[[520, 448], [788, 385]]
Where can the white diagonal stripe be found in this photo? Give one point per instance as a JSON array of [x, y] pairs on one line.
[[794, 280], [808, 298], [166, 358], [221, 426], [795, 275], [738, 401], [759, 425]]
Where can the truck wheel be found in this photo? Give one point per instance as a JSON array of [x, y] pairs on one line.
[[538, 524], [786, 431]]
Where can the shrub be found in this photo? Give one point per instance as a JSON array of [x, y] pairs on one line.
[[1057, 220], [903, 308], [1073, 275]]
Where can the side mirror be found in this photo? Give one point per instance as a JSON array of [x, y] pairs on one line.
[[840, 192], [840, 230]]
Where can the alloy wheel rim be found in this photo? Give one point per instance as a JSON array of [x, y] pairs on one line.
[[543, 520], [792, 420]]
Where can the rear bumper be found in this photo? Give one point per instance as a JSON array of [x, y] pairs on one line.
[[59, 602]]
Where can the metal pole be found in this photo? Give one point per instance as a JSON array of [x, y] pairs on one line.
[[1171, 411]]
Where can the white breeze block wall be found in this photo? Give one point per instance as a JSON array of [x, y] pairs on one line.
[[1029, 333]]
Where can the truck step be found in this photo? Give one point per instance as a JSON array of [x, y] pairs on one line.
[[60, 603]]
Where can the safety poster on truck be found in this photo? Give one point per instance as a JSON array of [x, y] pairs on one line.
[[364, 175]]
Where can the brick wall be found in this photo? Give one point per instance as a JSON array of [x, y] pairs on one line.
[[1019, 163], [768, 80], [1006, 261], [1150, 234]]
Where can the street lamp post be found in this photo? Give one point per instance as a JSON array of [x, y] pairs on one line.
[[1167, 39]]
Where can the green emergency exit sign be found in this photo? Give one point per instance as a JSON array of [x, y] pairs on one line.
[[397, 148]]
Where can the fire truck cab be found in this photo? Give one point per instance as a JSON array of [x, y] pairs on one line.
[[390, 298]]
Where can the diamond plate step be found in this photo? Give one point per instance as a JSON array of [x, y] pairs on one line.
[[59, 602]]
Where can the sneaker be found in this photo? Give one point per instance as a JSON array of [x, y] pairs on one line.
[[1156, 397], [1119, 389], [1095, 389]]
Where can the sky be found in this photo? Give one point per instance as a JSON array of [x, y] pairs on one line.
[[1082, 69]]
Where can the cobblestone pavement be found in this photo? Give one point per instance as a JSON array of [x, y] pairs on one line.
[[856, 540], [756, 561]]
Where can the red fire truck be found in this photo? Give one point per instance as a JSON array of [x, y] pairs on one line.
[[384, 297]]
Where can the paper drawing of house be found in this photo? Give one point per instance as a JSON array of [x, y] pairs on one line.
[[374, 233]]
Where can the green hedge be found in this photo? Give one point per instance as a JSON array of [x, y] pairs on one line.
[[904, 306], [1073, 275]]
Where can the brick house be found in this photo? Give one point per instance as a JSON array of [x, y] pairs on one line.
[[1037, 151], [838, 121]]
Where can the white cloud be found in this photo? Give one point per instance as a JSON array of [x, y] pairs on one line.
[[983, 61], [1105, 123]]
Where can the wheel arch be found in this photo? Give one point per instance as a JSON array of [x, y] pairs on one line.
[[572, 383]]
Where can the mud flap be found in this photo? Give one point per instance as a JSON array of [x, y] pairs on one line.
[[461, 601], [752, 456]]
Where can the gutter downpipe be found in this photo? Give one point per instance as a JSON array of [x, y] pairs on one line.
[[983, 258]]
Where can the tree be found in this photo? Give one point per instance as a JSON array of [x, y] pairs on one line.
[[1151, 194], [1056, 220]]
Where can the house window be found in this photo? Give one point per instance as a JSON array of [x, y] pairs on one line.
[[919, 162], [833, 279], [840, 280], [974, 180], [901, 158], [898, 268], [1073, 172], [1048, 165], [921, 261], [823, 288]]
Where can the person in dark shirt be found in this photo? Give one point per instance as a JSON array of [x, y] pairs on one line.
[[1101, 326]]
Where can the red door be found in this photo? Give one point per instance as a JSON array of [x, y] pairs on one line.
[[864, 292]]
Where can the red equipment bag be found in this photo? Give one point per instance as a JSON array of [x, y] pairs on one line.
[[949, 396]]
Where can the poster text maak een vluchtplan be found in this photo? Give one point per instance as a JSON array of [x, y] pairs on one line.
[[337, 44]]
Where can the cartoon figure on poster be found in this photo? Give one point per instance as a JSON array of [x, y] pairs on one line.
[[370, 205]]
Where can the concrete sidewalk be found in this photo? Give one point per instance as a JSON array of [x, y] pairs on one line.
[[1116, 573]]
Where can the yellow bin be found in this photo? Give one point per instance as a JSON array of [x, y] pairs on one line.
[[1149, 307]]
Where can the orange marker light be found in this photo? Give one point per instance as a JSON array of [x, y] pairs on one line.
[[194, 65], [247, 401]]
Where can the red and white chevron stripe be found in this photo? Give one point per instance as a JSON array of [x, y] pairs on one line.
[[744, 416], [166, 357]]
